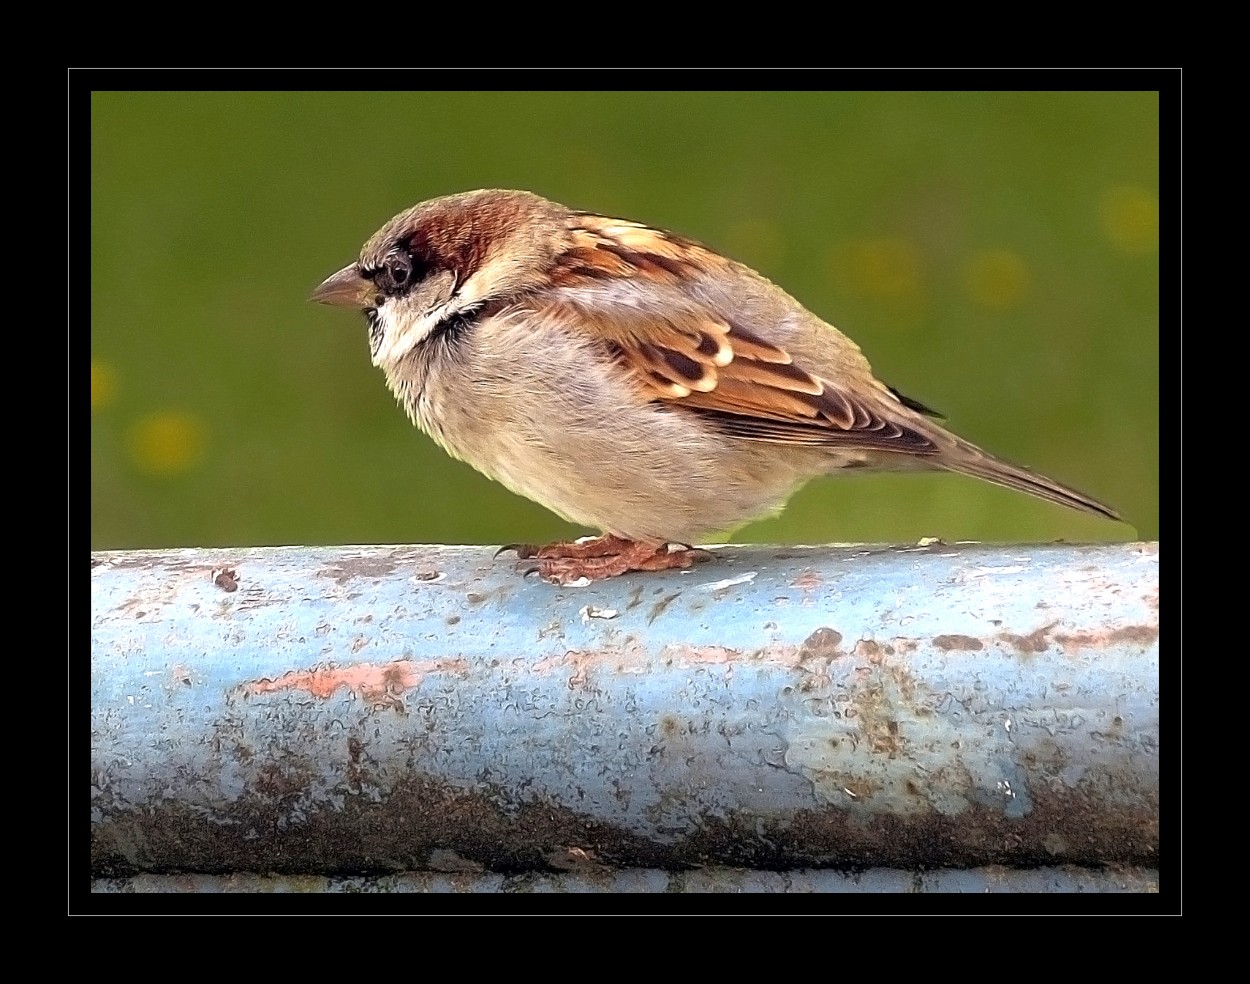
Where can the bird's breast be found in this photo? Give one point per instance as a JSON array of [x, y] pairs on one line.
[[554, 420]]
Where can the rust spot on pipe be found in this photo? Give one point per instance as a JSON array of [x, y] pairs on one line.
[[807, 581], [877, 723], [697, 655], [581, 661], [873, 651], [1034, 642], [1132, 635], [372, 681], [960, 642], [824, 643], [856, 788]]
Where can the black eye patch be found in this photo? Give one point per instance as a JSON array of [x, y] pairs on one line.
[[399, 272], [396, 273]]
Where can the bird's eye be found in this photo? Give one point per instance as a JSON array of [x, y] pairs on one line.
[[396, 273]]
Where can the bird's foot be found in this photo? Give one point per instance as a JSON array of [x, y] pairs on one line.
[[602, 557]]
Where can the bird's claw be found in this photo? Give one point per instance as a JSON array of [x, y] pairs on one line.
[[523, 550]]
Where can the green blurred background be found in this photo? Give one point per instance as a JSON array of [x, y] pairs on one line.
[[994, 254]]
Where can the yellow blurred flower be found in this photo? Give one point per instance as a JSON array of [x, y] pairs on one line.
[[996, 278], [167, 442], [1130, 219], [880, 267], [103, 384]]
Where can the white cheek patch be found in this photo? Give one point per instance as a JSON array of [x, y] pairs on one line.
[[402, 333]]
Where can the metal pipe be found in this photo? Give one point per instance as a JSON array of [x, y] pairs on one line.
[[996, 879], [358, 710]]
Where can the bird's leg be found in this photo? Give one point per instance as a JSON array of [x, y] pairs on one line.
[[604, 556]]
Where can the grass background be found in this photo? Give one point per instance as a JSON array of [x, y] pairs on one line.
[[993, 253]]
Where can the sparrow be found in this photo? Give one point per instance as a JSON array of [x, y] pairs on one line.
[[628, 378]]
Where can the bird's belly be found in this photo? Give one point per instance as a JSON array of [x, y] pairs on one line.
[[641, 472], [642, 493]]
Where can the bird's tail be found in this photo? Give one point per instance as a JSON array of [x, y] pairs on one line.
[[968, 459]]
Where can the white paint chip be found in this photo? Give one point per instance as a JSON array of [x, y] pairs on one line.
[[729, 582], [591, 611]]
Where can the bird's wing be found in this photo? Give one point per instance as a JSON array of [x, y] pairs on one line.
[[690, 357]]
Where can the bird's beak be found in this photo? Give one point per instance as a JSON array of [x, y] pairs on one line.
[[347, 288]]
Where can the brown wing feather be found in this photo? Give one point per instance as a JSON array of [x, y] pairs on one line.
[[694, 360]]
